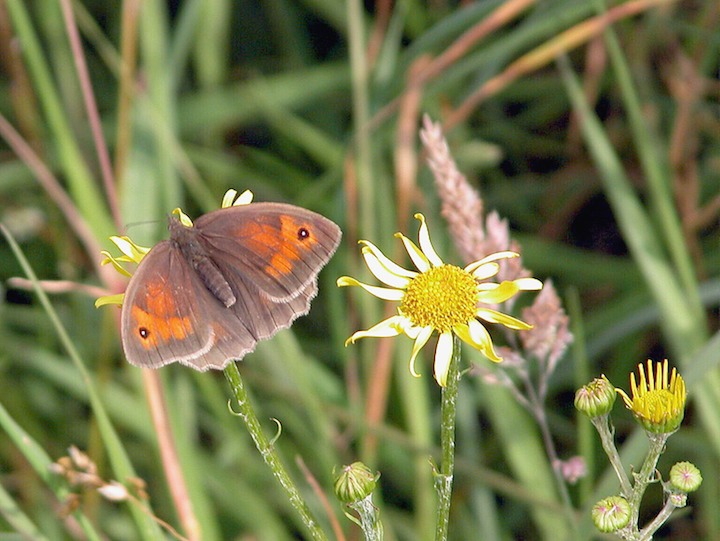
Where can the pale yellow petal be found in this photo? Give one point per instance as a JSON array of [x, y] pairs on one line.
[[489, 259], [407, 326], [386, 261], [485, 271], [463, 333], [422, 338], [412, 331], [244, 198], [475, 334], [425, 244], [502, 292], [493, 316], [443, 355], [124, 244], [418, 258], [115, 261], [389, 327], [380, 292], [480, 339], [134, 252], [184, 218], [228, 198], [110, 299], [381, 272]]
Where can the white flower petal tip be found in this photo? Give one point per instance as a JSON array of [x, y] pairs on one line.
[[493, 316], [369, 247], [131, 252], [232, 199], [425, 244], [387, 328], [418, 258], [123, 244], [383, 293], [484, 271], [382, 272], [420, 341], [228, 198], [479, 338], [443, 357], [491, 259], [244, 198], [529, 284]]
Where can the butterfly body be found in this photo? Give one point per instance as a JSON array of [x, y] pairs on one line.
[[213, 290], [189, 241]]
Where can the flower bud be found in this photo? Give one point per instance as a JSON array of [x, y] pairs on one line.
[[611, 514], [355, 482], [678, 499], [685, 477], [596, 398]]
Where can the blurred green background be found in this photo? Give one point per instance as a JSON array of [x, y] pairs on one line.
[[593, 127]]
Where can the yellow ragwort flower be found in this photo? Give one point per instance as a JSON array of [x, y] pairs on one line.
[[658, 402], [440, 297]]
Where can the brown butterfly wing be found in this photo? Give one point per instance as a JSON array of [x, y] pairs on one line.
[[169, 315], [269, 254], [276, 247]]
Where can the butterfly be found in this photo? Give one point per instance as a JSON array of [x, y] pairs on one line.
[[215, 288]]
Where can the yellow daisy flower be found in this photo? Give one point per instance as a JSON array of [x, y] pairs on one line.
[[658, 402], [440, 297]]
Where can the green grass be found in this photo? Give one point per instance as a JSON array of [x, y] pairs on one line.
[[552, 114]]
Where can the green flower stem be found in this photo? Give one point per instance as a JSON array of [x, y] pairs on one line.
[[268, 452], [647, 474], [602, 425], [444, 479], [646, 534], [369, 518]]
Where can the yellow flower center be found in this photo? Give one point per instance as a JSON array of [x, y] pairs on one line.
[[659, 406], [656, 406], [441, 298]]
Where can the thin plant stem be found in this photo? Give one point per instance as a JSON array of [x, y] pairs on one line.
[[369, 519], [91, 110], [646, 534], [448, 408], [602, 425], [647, 474], [50, 183], [541, 418], [168, 451], [268, 452]]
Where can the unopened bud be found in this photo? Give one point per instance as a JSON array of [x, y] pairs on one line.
[[596, 398], [611, 514], [685, 476], [355, 482]]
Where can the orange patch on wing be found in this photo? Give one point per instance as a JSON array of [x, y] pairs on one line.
[[282, 248], [159, 323], [288, 252]]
